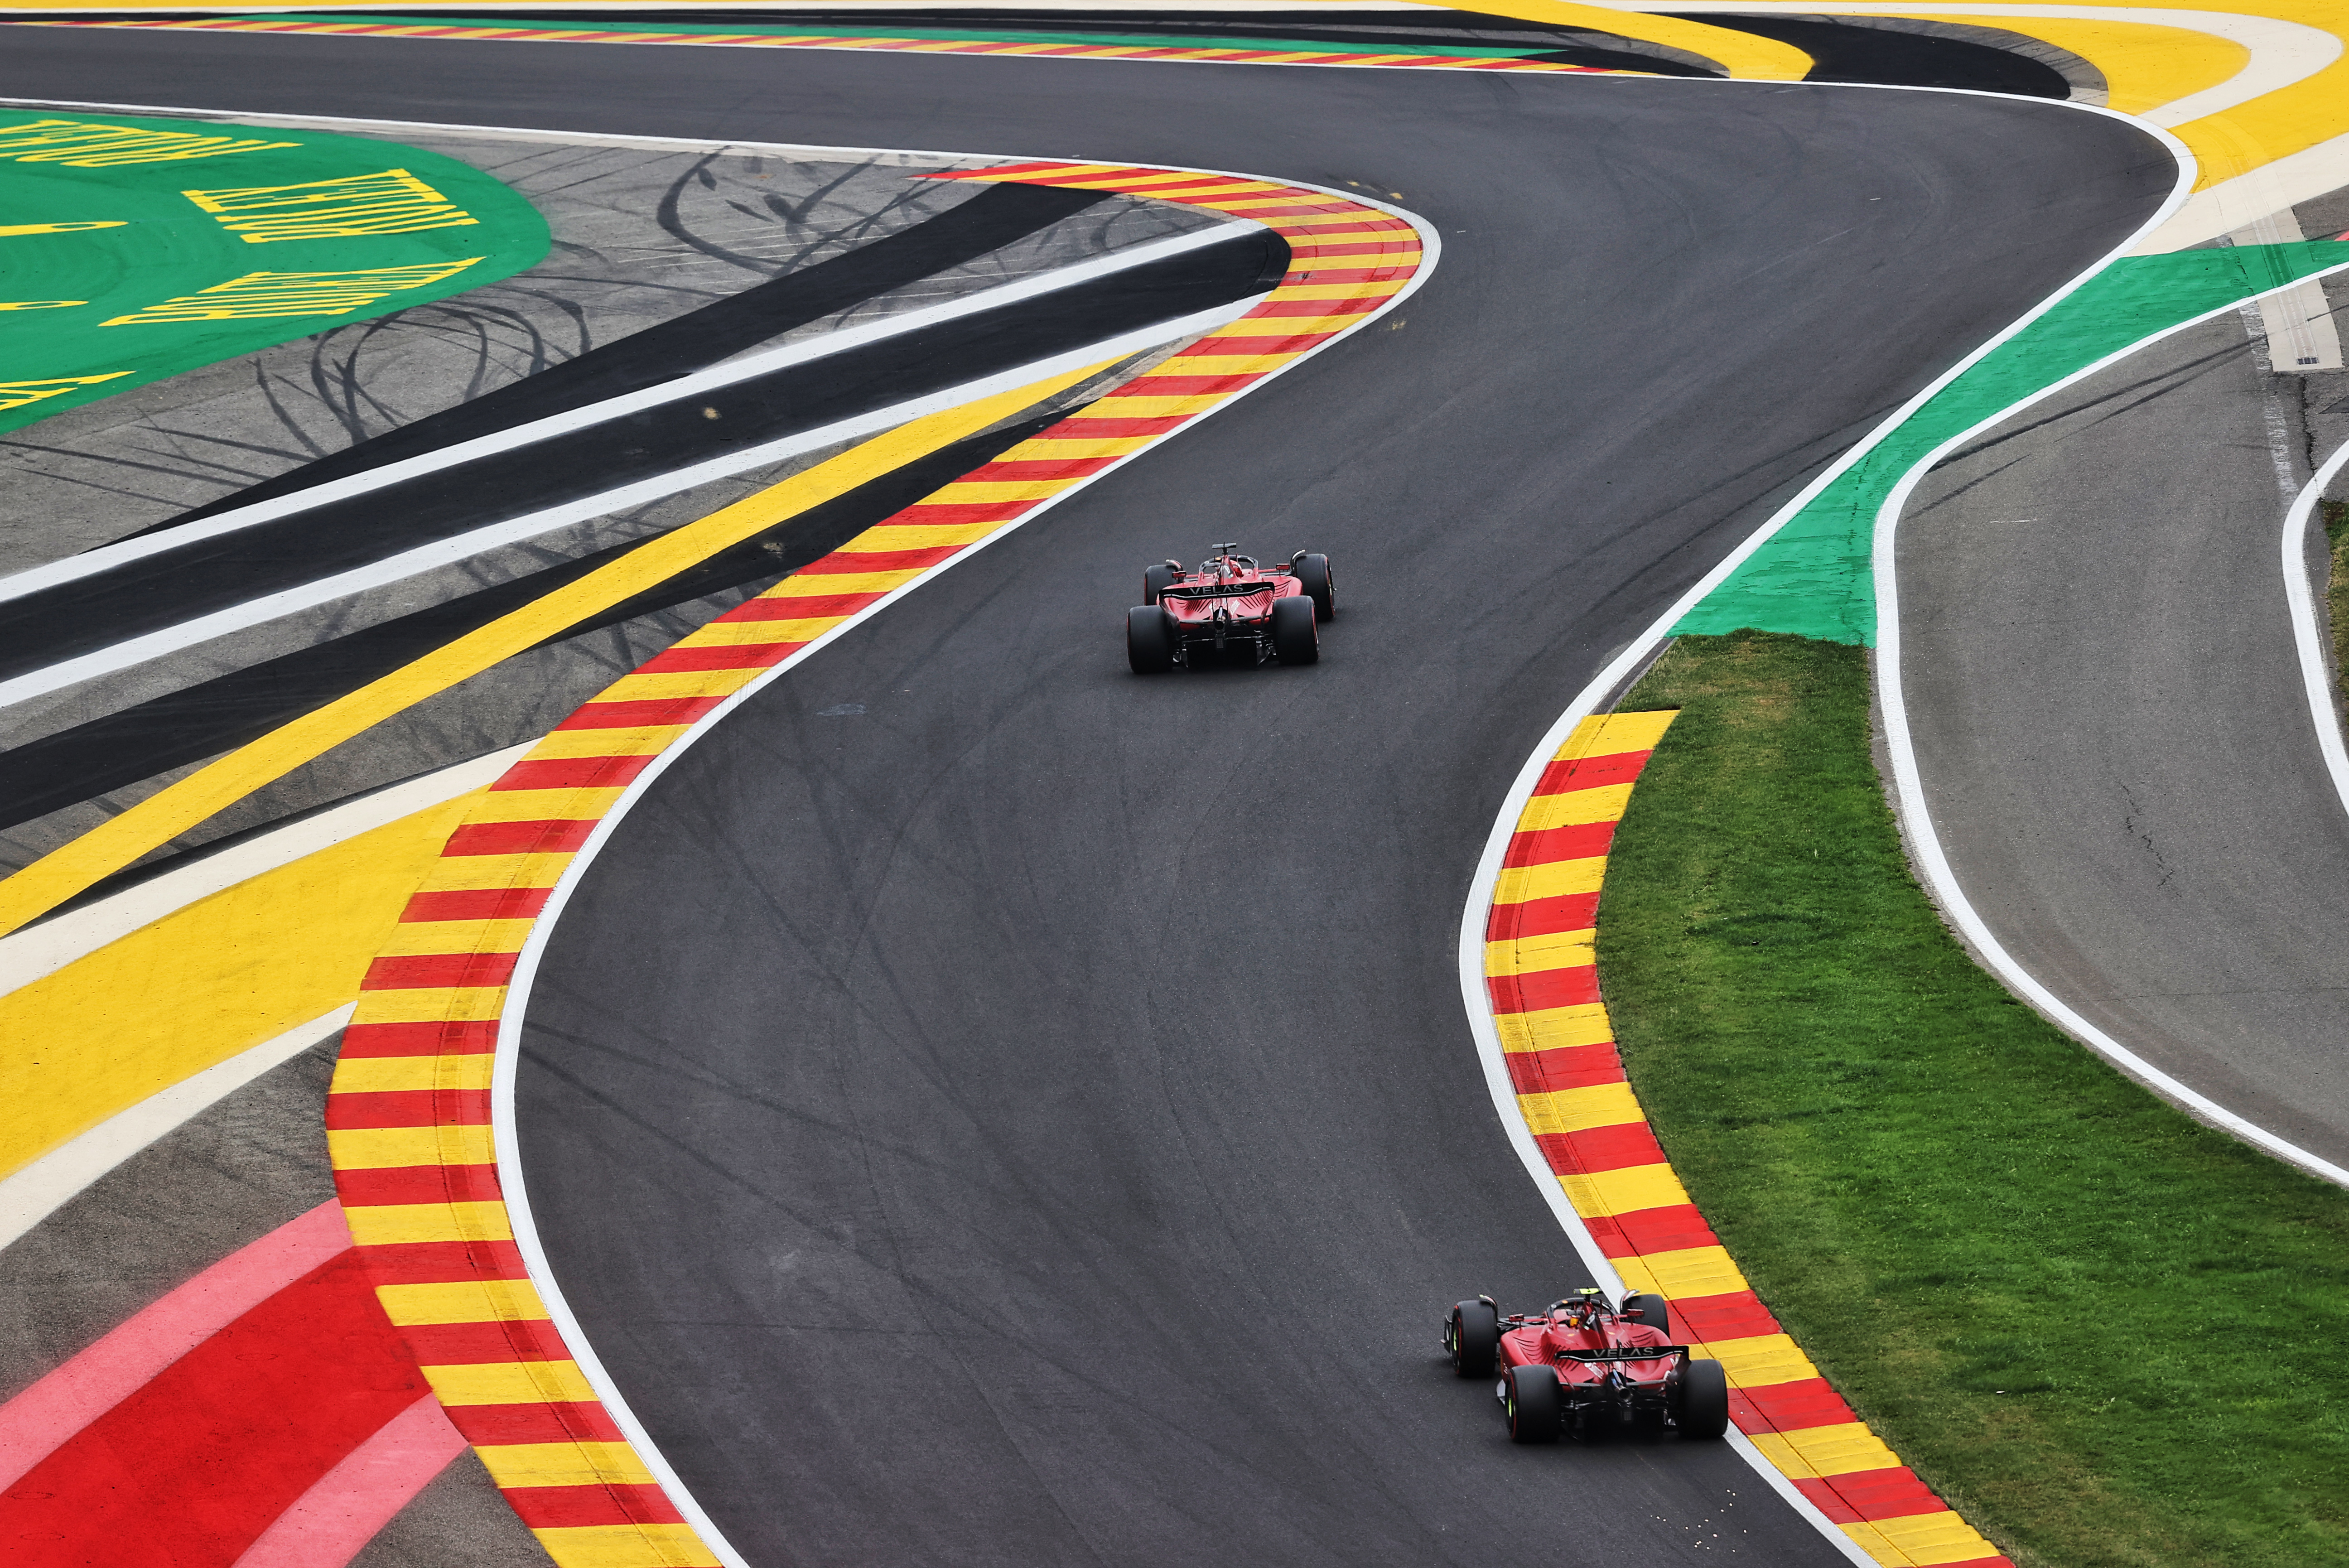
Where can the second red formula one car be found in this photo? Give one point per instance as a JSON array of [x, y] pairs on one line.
[[1230, 609], [1588, 1368]]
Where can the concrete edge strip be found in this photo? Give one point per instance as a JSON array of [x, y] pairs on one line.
[[420, 1120], [106, 556], [1357, 57], [447, 552], [36, 952], [1541, 985], [1917, 818], [32, 1193], [2316, 674]]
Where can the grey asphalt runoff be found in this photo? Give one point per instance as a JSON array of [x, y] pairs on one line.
[[986, 1107], [2111, 728]]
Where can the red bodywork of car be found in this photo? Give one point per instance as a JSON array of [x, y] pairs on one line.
[[1242, 599], [1565, 1338]]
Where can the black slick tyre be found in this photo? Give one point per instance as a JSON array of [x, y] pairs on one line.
[[1313, 575], [1294, 639], [1535, 1404], [1654, 1311], [1473, 1338], [1157, 580], [1149, 639], [1703, 1410]]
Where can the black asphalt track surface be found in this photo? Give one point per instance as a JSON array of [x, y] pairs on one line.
[[988, 1107]]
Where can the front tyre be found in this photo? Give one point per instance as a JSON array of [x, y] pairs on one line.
[[1473, 1338], [1157, 580], [1536, 1405], [1313, 575], [1149, 639], [1704, 1400], [1654, 1311], [1294, 639]]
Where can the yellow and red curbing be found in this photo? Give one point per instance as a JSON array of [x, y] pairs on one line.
[[1541, 976], [883, 42], [408, 1121]]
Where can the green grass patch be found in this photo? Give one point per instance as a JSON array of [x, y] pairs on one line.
[[2109, 1335]]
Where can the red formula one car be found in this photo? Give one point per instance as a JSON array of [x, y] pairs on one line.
[[1588, 1368], [1231, 607]]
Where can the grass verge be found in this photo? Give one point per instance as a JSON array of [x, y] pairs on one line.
[[2107, 1334]]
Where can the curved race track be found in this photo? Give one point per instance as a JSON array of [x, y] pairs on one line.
[[988, 1108]]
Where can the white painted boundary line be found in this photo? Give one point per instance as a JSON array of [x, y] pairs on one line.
[[447, 552], [39, 951], [39, 1189], [504, 1128], [106, 556], [2307, 626], [1908, 790]]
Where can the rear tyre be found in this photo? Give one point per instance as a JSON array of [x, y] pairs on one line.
[[1294, 639], [1149, 639], [1157, 580], [1536, 1405], [1313, 575], [1474, 1338], [1654, 1311], [1704, 1400]]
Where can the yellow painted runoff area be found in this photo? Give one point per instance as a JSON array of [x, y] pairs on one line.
[[2144, 66], [204, 982], [171, 811]]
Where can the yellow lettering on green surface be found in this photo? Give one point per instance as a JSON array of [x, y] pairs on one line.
[[16, 394], [8, 229], [261, 295], [392, 202], [43, 305], [84, 144]]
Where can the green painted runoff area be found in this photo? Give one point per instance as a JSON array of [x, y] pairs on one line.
[[1813, 578], [946, 34], [132, 249]]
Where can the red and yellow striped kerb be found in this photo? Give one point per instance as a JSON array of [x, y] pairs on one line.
[[1541, 974], [480, 32], [409, 1115]]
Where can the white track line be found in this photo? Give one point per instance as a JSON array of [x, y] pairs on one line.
[[106, 556], [2308, 627], [447, 552], [30, 1195], [1917, 818], [39, 951]]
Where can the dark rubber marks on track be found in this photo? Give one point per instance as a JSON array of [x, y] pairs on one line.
[[1000, 216]]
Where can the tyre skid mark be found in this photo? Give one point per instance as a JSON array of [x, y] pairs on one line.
[[1542, 982], [409, 1116]]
